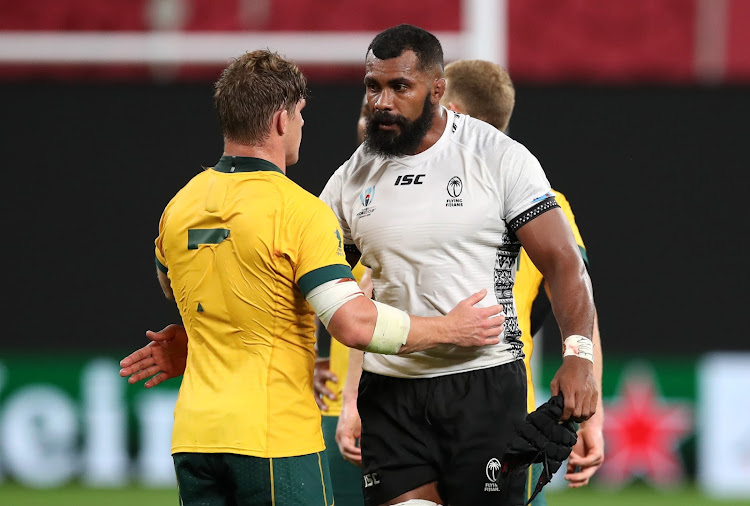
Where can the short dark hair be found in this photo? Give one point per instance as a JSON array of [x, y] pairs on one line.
[[391, 43], [250, 91]]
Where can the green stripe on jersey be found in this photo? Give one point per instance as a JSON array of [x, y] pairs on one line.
[[198, 236], [160, 266], [323, 275]]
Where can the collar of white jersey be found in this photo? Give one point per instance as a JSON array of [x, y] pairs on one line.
[[421, 158]]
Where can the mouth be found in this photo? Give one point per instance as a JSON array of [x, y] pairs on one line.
[[390, 126]]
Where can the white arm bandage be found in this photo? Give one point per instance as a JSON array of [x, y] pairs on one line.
[[391, 326], [391, 330], [579, 346], [328, 297]]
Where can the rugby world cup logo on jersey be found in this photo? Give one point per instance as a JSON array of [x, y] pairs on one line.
[[492, 471], [455, 187], [366, 197]]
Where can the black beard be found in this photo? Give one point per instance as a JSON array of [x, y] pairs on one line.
[[389, 143]]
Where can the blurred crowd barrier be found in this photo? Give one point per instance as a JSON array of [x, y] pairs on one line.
[[548, 41], [667, 422]]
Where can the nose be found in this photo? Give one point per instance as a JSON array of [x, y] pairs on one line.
[[384, 101]]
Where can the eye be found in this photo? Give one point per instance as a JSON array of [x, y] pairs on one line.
[[401, 87]]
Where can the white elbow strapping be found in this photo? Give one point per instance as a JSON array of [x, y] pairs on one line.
[[328, 297], [391, 330]]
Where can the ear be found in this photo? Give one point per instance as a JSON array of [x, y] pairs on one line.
[[438, 90], [455, 107], [280, 120]]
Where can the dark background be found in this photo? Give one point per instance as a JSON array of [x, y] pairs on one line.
[[655, 175]]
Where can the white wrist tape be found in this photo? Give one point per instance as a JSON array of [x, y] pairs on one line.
[[328, 297], [579, 346], [391, 330]]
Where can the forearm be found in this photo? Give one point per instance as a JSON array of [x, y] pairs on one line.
[[426, 333], [572, 300], [353, 374], [598, 418], [354, 324], [358, 322]]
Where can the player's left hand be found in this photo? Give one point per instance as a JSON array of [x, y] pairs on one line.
[[163, 358], [575, 379], [321, 376], [587, 455]]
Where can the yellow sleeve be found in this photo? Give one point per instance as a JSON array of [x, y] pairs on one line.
[[161, 259], [315, 245], [565, 206], [358, 271]]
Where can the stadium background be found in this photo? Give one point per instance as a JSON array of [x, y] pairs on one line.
[[637, 110]]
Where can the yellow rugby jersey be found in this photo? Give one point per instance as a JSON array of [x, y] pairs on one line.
[[525, 291], [242, 244], [339, 362]]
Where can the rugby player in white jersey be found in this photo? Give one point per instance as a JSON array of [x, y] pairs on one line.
[[438, 204]]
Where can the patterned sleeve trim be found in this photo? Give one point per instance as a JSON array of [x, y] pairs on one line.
[[532, 212]]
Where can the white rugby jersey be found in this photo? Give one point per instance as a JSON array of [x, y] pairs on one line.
[[434, 228]]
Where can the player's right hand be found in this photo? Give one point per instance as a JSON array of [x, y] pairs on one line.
[[469, 325], [575, 379], [321, 376], [161, 359], [588, 453], [348, 432]]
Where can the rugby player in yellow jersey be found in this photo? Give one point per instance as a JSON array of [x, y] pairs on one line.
[[249, 257], [485, 91]]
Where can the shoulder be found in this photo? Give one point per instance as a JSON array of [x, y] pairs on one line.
[[350, 174], [297, 198], [360, 158], [185, 193], [487, 141]]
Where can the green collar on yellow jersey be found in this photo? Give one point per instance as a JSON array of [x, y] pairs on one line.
[[244, 164]]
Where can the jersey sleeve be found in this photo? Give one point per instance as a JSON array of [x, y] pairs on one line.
[[523, 186], [316, 247], [332, 196], [161, 259], [562, 201]]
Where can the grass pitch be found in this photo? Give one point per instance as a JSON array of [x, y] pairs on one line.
[[76, 495], [636, 495]]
